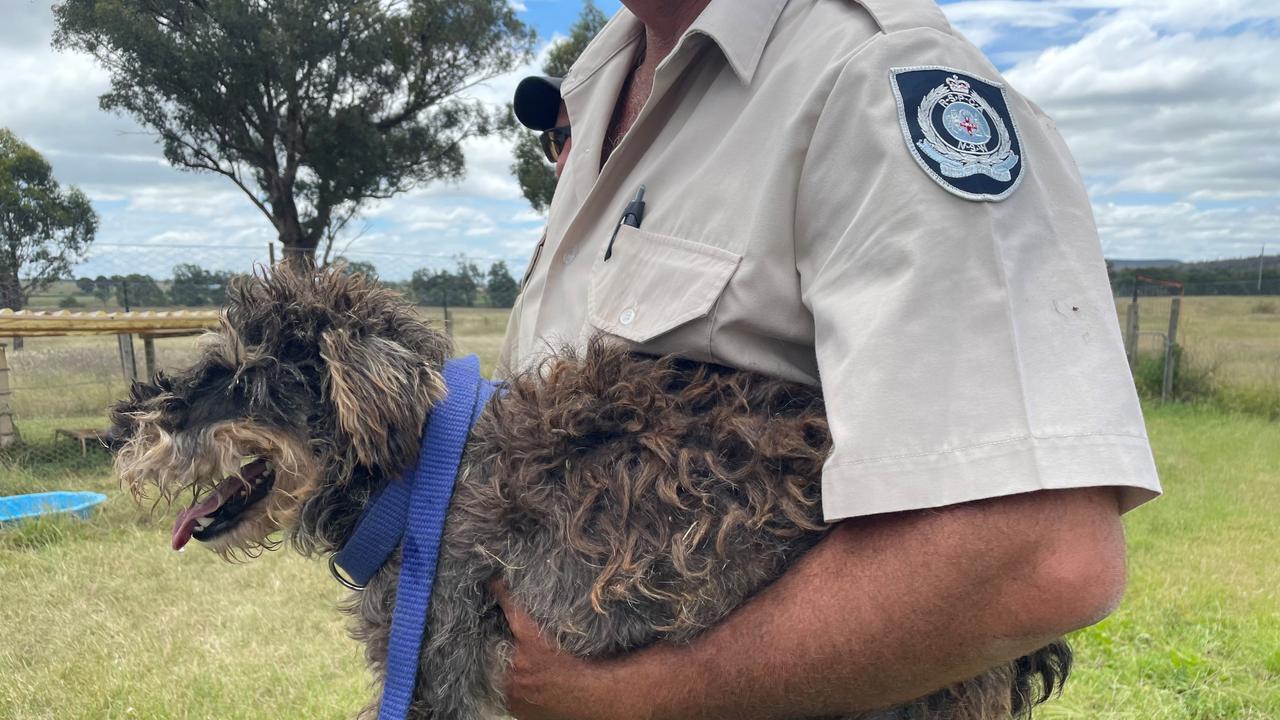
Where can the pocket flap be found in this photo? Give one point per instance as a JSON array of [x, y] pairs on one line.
[[654, 283]]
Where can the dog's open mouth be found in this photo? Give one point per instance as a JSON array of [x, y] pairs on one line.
[[220, 510]]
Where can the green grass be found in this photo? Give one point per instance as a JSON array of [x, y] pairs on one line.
[[1228, 353], [99, 619], [1198, 635], [1227, 333], [99, 616]]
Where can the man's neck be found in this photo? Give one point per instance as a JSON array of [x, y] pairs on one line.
[[664, 22]]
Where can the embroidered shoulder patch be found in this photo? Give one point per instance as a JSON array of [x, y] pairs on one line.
[[959, 129]]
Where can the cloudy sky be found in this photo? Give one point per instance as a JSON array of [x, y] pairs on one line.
[[1172, 108]]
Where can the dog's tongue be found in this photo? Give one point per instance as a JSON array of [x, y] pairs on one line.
[[186, 522]]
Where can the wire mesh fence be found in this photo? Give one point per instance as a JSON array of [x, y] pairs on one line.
[[59, 389], [1124, 287]]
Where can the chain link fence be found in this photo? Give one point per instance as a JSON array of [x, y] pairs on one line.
[[60, 389]]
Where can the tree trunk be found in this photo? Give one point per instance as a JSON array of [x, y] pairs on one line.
[[11, 298], [10, 291], [298, 258], [299, 251]]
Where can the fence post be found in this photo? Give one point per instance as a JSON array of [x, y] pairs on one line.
[[1171, 343], [8, 430], [149, 355], [448, 321], [1131, 335], [127, 362]]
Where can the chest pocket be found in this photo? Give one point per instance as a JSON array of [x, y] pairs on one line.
[[655, 283]]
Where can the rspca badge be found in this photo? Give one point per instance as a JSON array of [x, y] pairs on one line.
[[959, 129]]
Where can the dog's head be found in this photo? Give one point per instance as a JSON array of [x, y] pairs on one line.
[[310, 395]]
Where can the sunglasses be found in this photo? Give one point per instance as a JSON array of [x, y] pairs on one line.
[[553, 142]]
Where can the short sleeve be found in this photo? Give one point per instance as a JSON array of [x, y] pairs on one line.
[[968, 347]]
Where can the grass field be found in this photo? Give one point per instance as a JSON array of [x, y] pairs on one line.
[[59, 377], [98, 619], [1231, 349]]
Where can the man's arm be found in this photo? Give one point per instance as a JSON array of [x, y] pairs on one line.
[[882, 611]]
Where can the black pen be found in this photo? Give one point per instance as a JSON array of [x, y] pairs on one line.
[[632, 216]]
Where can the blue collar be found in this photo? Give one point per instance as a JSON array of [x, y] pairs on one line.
[[411, 512]]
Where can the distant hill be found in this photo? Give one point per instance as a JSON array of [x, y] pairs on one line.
[[1247, 264], [1126, 264], [1235, 276]]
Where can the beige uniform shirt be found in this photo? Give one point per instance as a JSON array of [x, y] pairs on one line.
[[799, 224]]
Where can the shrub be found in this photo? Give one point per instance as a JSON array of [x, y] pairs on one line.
[[1193, 380], [1259, 398], [1264, 307], [69, 302]]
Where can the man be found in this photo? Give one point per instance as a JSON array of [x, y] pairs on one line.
[[844, 193]]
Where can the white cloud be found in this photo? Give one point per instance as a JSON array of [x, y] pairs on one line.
[[1156, 98], [1137, 231], [154, 216], [991, 19], [1170, 107], [529, 215], [1180, 114]]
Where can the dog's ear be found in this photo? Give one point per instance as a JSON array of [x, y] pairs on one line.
[[382, 392]]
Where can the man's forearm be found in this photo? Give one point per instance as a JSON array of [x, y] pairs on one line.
[[890, 609]]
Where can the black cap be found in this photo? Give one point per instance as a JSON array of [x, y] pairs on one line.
[[537, 102]]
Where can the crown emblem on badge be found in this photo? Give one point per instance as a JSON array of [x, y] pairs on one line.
[[958, 85]]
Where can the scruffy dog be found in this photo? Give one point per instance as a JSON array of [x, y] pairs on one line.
[[624, 500]]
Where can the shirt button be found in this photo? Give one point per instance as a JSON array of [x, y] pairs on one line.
[[627, 316], [570, 256]]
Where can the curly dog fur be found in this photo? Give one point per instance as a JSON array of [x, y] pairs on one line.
[[623, 499]]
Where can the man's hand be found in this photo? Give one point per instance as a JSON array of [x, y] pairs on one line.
[[546, 684], [884, 610]]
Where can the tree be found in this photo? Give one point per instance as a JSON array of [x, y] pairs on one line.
[[44, 230], [467, 282], [536, 177], [502, 286], [433, 287], [356, 267], [193, 286], [311, 107], [138, 291], [69, 302], [102, 288], [85, 285]]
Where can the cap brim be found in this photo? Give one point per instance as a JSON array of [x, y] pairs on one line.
[[537, 102]]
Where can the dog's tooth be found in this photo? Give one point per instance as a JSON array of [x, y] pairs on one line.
[[204, 522]]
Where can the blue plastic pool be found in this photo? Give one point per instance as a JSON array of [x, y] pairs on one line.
[[16, 507]]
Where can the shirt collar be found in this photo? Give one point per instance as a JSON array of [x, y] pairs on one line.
[[740, 28]]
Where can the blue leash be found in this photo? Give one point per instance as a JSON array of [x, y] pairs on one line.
[[411, 512]]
